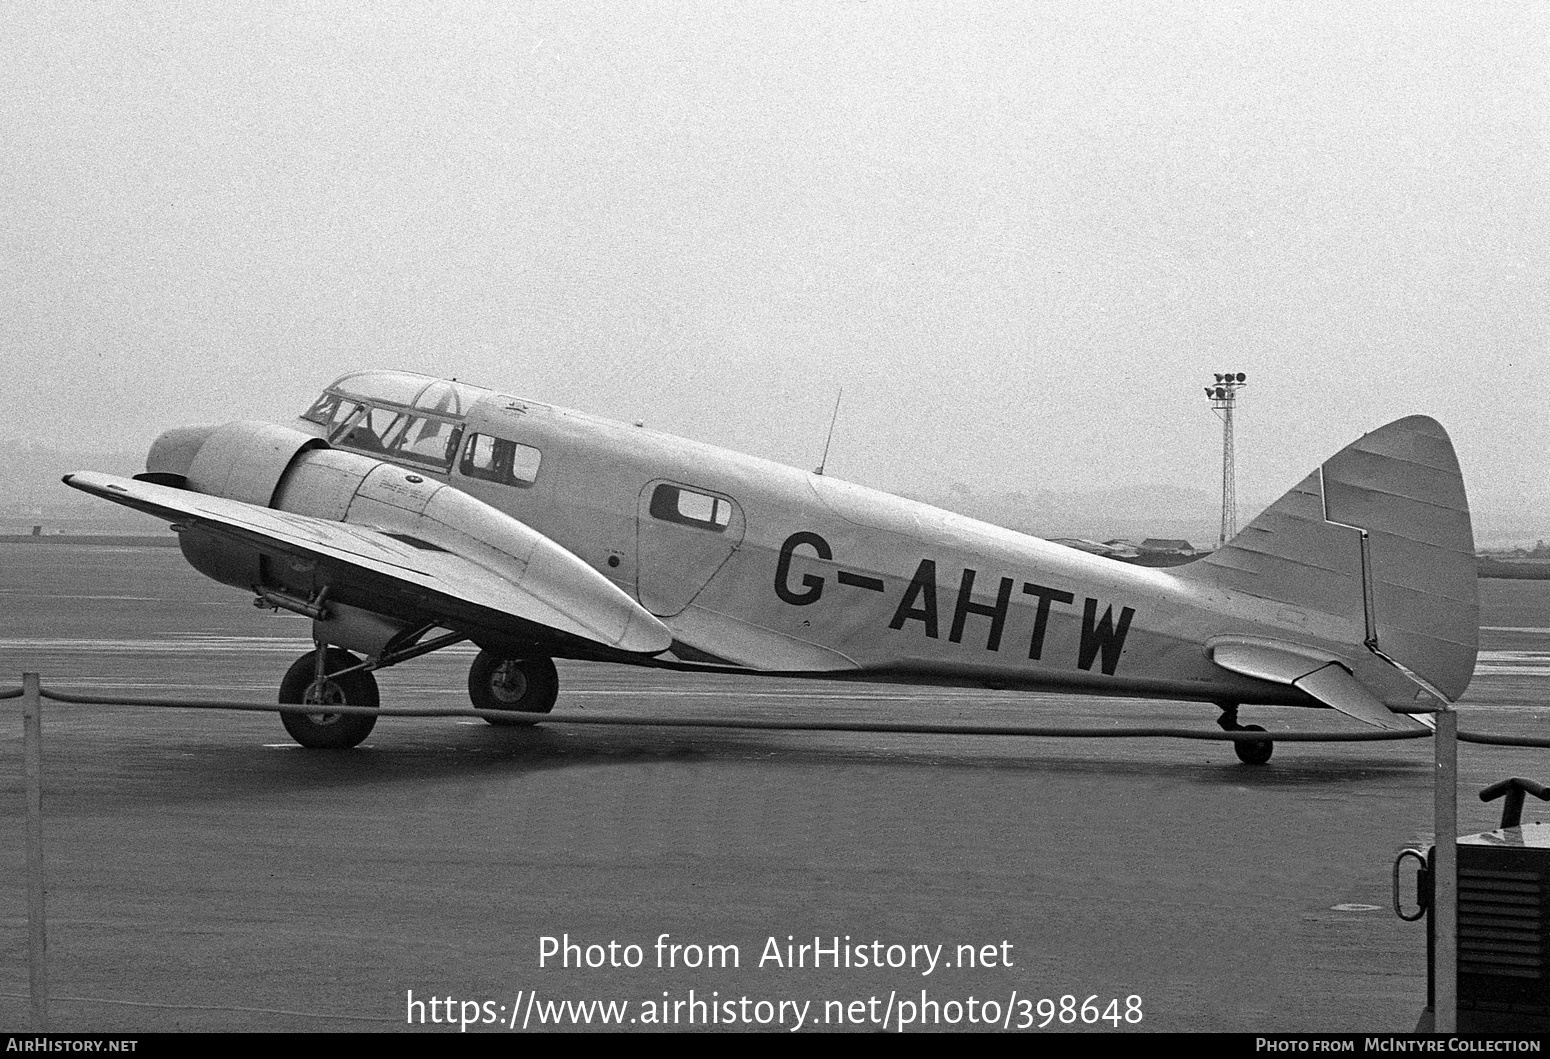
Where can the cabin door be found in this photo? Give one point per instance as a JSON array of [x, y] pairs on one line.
[[684, 535]]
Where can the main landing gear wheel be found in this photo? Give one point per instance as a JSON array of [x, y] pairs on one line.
[[328, 731], [516, 685], [1249, 751], [1253, 751]]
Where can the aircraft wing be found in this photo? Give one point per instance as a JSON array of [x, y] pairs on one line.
[[1321, 676], [552, 588]]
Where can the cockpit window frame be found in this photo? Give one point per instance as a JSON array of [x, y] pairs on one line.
[[325, 411], [392, 443], [405, 389], [437, 408]]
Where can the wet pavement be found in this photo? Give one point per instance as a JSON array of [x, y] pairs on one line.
[[205, 873]]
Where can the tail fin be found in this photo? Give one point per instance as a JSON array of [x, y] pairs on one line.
[[1380, 533]]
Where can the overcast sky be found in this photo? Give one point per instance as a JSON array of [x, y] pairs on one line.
[[1021, 236]]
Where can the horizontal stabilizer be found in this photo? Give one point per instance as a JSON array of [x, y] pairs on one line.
[[1335, 686], [552, 588], [1321, 676]]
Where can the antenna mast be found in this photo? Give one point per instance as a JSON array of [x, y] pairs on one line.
[[832, 419], [1223, 397]]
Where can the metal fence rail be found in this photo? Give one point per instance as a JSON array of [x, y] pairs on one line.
[[782, 724], [1487, 739], [794, 724]]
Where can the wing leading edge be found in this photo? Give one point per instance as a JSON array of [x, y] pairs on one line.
[[551, 587]]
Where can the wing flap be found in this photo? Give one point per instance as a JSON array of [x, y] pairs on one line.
[[561, 593]]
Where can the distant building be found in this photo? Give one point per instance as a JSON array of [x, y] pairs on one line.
[[1081, 544], [1171, 547], [1151, 552]]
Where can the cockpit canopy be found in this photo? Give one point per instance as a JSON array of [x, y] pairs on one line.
[[396, 415]]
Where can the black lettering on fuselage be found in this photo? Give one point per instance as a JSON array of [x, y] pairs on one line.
[[1102, 639], [922, 586], [812, 585], [996, 612], [1102, 635], [1041, 616], [855, 580]]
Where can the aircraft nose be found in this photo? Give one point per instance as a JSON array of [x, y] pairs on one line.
[[174, 451]]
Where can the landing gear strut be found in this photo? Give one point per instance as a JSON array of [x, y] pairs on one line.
[[1250, 751], [308, 681], [519, 685]]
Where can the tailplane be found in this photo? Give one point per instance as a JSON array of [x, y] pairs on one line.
[[1379, 534]]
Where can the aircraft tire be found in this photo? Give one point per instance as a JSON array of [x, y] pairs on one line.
[[1254, 751], [516, 685], [328, 731]]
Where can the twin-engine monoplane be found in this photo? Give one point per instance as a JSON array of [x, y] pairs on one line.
[[402, 513]]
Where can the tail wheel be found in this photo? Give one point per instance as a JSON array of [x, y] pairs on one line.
[[1253, 751], [324, 730], [518, 685]]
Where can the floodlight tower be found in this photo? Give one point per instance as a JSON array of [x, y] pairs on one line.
[[1223, 397]]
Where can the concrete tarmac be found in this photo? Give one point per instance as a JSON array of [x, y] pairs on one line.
[[206, 874]]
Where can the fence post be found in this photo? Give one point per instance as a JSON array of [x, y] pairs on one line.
[[37, 937], [1445, 885]]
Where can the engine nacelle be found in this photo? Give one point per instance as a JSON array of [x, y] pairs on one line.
[[256, 463], [221, 559], [246, 461], [322, 483], [288, 470]]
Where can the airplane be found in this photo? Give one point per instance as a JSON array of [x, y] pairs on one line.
[[404, 513]]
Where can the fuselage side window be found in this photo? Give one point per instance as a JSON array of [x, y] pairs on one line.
[[500, 460], [674, 503]]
